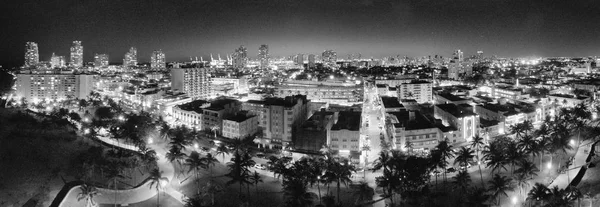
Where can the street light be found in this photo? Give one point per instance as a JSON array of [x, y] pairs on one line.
[[196, 146], [572, 142], [150, 141], [514, 200], [549, 165]]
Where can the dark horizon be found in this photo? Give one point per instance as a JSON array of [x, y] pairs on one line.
[[373, 28]]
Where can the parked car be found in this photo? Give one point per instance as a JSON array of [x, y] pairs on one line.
[[450, 170], [260, 166], [260, 155]]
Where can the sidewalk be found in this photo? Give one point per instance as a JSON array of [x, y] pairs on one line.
[[563, 180], [130, 196]]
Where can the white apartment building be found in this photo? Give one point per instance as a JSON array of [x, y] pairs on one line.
[[195, 82], [241, 125], [421, 91], [52, 86]]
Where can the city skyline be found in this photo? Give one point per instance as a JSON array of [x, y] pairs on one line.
[[374, 28]]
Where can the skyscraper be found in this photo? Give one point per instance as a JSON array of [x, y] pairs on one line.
[[76, 54], [101, 60], [299, 60], [57, 61], [329, 58], [458, 55], [130, 59], [32, 57], [311, 61], [157, 60], [240, 57], [263, 56], [480, 54]]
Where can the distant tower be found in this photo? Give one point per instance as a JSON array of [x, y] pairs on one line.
[[240, 57], [76, 54], [458, 55], [130, 59], [311, 61], [329, 58], [263, 56], [101, 60], [32, 57], [54, 61], [157, 60], [480, 54]]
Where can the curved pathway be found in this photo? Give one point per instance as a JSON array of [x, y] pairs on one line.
[[141, 193]]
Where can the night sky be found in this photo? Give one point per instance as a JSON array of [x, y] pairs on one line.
[[374, 28]]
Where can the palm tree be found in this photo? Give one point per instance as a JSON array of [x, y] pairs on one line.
[[175, 155], [87, 192], [195, 162], [210, 189], [339, 172], [238, 169], [464, 158], [462, 180], [157, 181], [222, 150], [514, 155], [527, 169], [382, 161], [499, 185], [521, 181], [543, 143], [446, 153], [295, 193], [557, 197], [477, 143], [256, 178], [527, 144], [495, 157], [538, 193], [362, 193], [209, 161], [165, 131], [409, 146], [114, 172], [215, 129]]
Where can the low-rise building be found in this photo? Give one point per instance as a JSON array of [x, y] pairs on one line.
[[279, 118], [567, 100], [414, 128], [240, 125], [391, 104], [212, 116], [463, 120], [322, 91], [344, 135], [190, 114], [314, 132]]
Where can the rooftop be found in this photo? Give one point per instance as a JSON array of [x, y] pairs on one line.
[[194, 106], [419, 121], [569, 96], [239, 117], [220, 104], [455, 110], [391, 102], [349, 120], [451, 97], [288, 101]]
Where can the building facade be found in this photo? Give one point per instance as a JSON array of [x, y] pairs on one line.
[[263, 56], [130, 59], [464, 122], [330, 92], [76, 54], [101, 60], [157, 60], [240, 126], [32, 56], [195, 82], [421, 91], [344, 135], [278, 118], [53, 86], [240, 57]]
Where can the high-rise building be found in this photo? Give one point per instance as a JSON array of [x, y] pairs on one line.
[[157, 60], [421, 91], [195, 82], [32, 57], [458, 55], [311, 61], [76, 54], [101, 60], [263, 56], [299, 59], [53, 86], [130, 59], [329, 58], [57, 61], [240, 57]]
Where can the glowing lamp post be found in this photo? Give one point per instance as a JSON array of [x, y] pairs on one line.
[[150, 141], [514, 200], [549, 165], [196, 146]]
